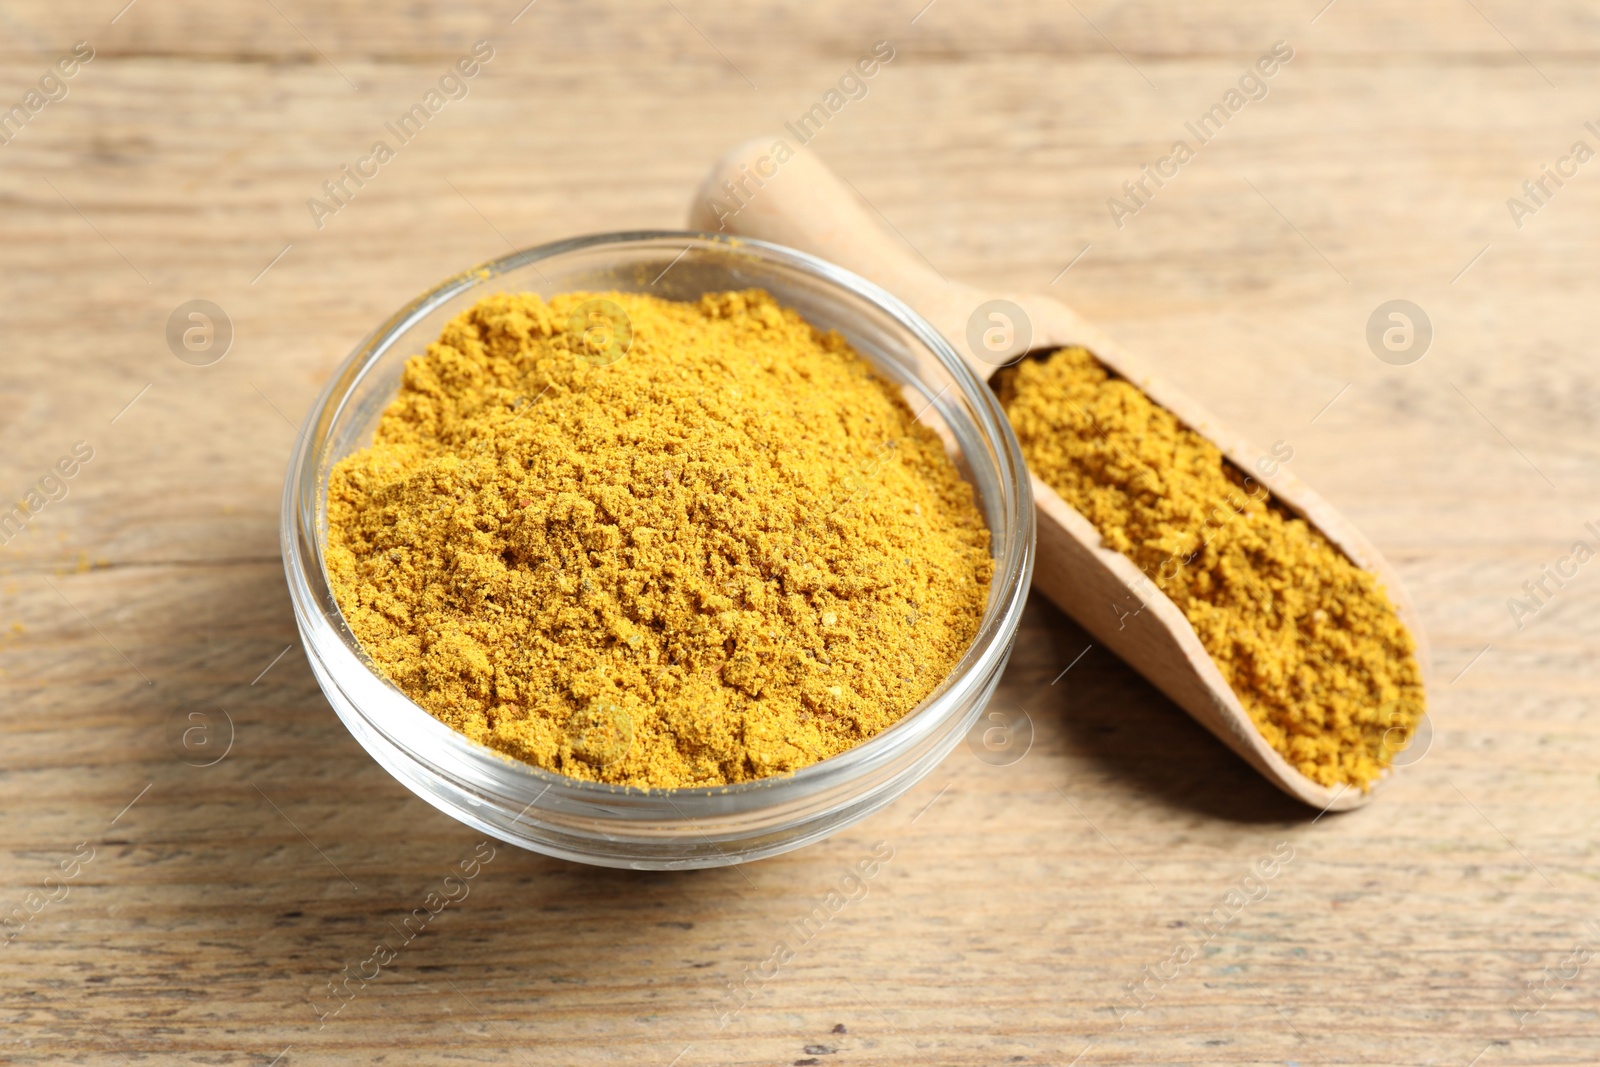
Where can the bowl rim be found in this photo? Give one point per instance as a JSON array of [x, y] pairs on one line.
[[304, 494]]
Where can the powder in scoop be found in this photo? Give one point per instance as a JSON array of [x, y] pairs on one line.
[[653, 543], [1307, 640]]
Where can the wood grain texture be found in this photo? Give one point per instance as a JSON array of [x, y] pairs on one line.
[[1021, 900]]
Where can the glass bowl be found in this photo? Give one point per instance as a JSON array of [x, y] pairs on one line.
[[660, 828]]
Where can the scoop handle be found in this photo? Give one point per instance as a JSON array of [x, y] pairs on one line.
[[766, 190], [800, 203]]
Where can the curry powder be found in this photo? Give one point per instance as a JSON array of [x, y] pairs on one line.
[[730, 553], [1307, 640]]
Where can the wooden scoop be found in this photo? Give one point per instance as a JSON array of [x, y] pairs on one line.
[[801, 204]]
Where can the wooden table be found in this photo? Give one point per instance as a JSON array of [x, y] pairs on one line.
[[1022, 901]]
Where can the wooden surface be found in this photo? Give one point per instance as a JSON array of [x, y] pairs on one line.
[[1021, 900]]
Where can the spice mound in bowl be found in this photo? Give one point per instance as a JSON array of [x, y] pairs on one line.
[[1308, 640], [655, 543]]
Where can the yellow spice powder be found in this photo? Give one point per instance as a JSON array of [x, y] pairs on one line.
[[729, 554], [1308, 640]]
